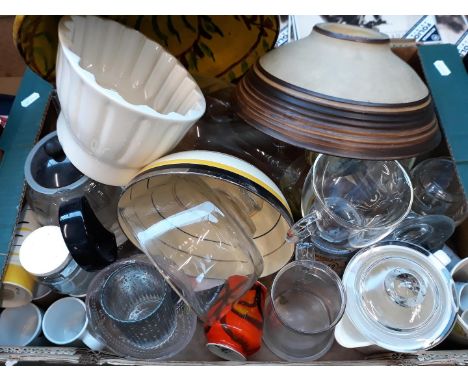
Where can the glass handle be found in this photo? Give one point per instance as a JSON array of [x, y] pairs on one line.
[[302, 229], [405, 287], [304, 251]]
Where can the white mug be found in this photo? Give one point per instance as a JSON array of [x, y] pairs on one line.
[[460, 331], [21, 326], [66, 323]]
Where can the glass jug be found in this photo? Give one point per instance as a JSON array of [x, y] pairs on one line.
[[353, 203]]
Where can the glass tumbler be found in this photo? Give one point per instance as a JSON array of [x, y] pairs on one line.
[[133, 311], [352, 203], [306, 302], [437, 190]]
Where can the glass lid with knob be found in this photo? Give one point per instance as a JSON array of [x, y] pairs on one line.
[[403, 299]]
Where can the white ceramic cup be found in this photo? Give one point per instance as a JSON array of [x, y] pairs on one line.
[[66, 323], [20, 326], [460, 275], [462, 294]]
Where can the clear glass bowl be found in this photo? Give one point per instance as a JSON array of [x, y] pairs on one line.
[[437, 190]]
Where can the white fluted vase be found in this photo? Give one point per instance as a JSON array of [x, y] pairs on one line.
[[125, 100]]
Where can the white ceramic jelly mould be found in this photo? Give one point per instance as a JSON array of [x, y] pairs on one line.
[[125, 101]]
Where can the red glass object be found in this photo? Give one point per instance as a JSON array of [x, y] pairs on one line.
[[238, 334]]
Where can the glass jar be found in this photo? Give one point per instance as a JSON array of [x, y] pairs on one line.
[[45, 255], [52, 180], [400, 298]]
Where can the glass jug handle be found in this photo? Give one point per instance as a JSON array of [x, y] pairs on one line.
[[304, 251], [302, 229]]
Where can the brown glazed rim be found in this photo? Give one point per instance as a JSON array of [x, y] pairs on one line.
[[274, 112], [342, 101], [293, 122], [310, 128], [297, 114], [346, 150], [263, 91], [273, 109], [379, 38]]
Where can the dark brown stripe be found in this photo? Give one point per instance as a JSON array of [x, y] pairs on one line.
[[240, 341], [310, 126], [294, 108], [253, 321], [255, 85], [342, 36], [341, 147], [323, 129], [285, 84]]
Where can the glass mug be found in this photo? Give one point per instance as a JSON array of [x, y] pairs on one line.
[[352, 203], [306, 302]]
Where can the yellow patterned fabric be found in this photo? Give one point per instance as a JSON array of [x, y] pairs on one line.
[[36, 39], [222, 47]]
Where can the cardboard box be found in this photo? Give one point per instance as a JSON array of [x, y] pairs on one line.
[[450, 93], [24, 125]]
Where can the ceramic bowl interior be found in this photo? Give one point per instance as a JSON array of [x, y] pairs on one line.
[[167, 193], [131, 68]]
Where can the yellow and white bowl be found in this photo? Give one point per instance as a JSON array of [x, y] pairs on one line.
[[256, 202]]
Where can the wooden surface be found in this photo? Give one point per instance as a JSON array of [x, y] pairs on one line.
[[11, 63]]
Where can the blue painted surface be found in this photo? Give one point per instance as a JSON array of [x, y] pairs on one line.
[[450, 95], [18, 138]]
